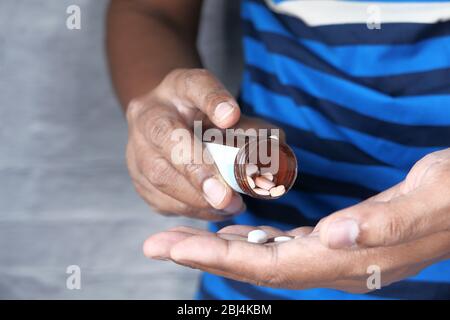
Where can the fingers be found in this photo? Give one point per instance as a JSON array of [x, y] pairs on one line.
[[221, 254], [173, 140], [238, 260], [404, 218], [228, 254], [190, 180], [198, 89], [158, 246], [297, 264], [168, 206]]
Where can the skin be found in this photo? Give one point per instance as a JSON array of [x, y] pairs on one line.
[[158, 77], [402, 230]]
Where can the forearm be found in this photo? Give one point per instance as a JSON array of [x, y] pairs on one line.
[[144, 44]]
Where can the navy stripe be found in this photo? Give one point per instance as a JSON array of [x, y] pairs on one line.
[[411, 84], [331, 149], [285, 214], [401, 290], [417, 83], [292, 217], [413, 290], [408, 135], [311, 183], [251, 291], [358, 33]]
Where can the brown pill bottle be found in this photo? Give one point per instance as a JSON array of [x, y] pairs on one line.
[[239, 152]]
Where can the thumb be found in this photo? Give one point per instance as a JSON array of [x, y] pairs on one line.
[[197, 89], [384, 223]]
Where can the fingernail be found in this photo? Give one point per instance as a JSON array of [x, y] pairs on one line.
[[236, 205], [161, 258], [343, 233], [215, 191], [223, 110]]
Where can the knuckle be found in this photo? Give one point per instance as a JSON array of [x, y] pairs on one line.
[[183, 209], [199, 172], [215, 96], [391, 228], [191, 75], [160, 172], [134, 108], [270, 276], [172, 77], [192, 78], [431, 157], [160, 129]]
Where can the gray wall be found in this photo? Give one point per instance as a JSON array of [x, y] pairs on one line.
[[65, 195]]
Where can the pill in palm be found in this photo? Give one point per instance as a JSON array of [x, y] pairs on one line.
[[263, 183], [282, 239], [257, 236]]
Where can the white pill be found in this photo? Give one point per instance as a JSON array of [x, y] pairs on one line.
[[251, 169], [263, 183], [268, 176], [277, 191], [261, 192], [282, 239], [257, 236]]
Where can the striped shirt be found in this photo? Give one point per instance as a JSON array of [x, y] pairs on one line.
[[362, 89]]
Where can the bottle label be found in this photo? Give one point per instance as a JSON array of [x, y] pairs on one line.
[[224, 156]]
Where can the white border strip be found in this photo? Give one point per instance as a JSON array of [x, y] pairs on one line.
[[327, 12]]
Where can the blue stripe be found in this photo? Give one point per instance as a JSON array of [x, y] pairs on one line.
[[308, 118], [327, 148], [295, 210], [316, 206], [332, 149], [217, 289], [366, 60], [231, 289], [370, 60], [420, 110], [373, 177], [410, 84], [347, 34]]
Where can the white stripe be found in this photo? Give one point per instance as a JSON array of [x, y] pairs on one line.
[[319, 12]]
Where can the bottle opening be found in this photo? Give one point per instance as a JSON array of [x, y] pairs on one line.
[[265, 167]]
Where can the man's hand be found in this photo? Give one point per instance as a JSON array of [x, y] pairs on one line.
[[417, 207], [192, 189], [301, 263], [401, 230]]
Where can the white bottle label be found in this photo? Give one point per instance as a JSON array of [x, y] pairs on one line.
[[224, 157]]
